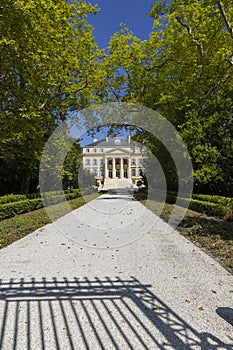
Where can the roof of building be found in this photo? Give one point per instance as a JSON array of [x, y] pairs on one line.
[[110, 142]]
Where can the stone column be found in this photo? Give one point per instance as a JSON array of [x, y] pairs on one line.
[[106, 168], [113, 168], [122, 169], [98, 167], [129, 169]]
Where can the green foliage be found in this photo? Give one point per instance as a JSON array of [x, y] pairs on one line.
[[201, 206], [12, 198], [211, 209], [10, 209], [224, 201], [49, 66], [20, 197], [70, 170], [184, 71]]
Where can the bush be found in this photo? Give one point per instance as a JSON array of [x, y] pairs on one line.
[[204, 207], [21, 197], [8, 210], [224, 201], [12, 209], [12, 198], [207, 208]]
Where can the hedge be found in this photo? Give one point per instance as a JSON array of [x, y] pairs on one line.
[[9, 210], [21, 197], [200, 206], [208, 208], [12, 198], [225, 201]]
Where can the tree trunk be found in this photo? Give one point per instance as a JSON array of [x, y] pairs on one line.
[[25, 183]]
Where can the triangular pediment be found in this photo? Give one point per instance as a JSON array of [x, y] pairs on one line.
[[117, 151]]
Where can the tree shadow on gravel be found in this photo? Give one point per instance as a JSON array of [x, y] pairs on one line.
[[93, 314]]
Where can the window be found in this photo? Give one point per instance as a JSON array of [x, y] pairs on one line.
[[101, 150], [133, 172], [133, 161], [87, 150], [95, 150], [87, 162], [94, 162], [101, 161]]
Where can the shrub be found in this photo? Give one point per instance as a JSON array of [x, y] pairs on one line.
[[204, 207], [9, 198], [225, 201], [207, 208], [8, 210], [12, 198]]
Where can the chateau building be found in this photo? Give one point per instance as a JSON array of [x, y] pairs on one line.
[[114, 161]]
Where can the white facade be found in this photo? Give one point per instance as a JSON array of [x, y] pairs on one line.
[[113, 159]]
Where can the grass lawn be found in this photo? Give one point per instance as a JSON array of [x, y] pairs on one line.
[[213, 235], [21, 225]]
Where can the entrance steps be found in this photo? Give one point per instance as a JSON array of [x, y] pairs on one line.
[[112, 184]]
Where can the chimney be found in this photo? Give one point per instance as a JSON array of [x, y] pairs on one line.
[[95, 140], [129, 138], [106, 138]]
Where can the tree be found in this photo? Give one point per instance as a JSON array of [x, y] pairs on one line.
[[71, 167], [184, 71], [49, 66]]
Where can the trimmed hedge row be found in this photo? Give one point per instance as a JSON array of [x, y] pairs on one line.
[[224, 201], [12, 198], [9, 210], [21, 197], [12, 209], [200, 206]]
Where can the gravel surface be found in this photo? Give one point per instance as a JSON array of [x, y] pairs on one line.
[[112, 275]]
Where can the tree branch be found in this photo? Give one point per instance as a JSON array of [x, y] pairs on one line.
[[159, 66], [189, 30], [82, 87], [224, 15], [115, 94]]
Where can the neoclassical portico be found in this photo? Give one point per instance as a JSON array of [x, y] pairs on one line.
[[117, 168], [113, 159]]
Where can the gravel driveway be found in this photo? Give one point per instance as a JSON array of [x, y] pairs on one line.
[[112, 275]]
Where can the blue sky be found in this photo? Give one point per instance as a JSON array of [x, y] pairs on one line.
[[133, 13]]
